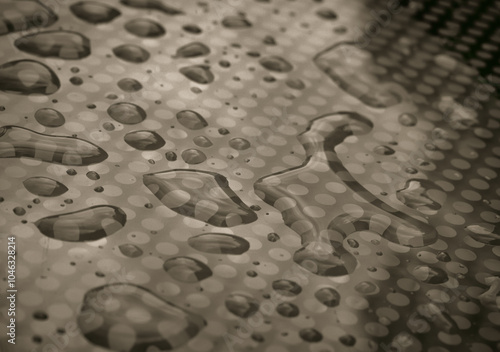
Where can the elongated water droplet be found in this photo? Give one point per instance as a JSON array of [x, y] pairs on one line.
[[130, 250], [145, 28], [94, 12], [144, 140], [193, 156], [131, 53], [127, 317], [194, 49], [219, 243], [152, 5], [202, 141], [192, 28], [191, 119], [186, 269], [276, 64], [287, 287], [61, 44], [208, 197], [17, 142], [236, 22], [328, 296], [28, 77], [242, 305], [23, 15], [287, 309], [49, 117], [198, 73], [44, 186], [239, 143], [88, 224], [129, 85], [127, 113]]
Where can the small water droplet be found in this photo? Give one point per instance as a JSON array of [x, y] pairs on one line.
[[310, 335], [287, 309], [18, 16], [202, 141], [129, 85], [353, 243], [235, 22], [295, 83], [347, 340], [276, 64], [430, 274], [194, 49], [383, 150], [328, 296], [193, 156], [49, 117], [192, 28], [131, 53], [19, 211], [130, 250], [241, 305], [269, 40], [92, 175], [152, 5], [108, 126], [145, 28], [239, 143], [273, 237], [94, 12], [198, 73], [191, 119], [144, 140], [443, 257], [171, 156], [407, 119], [127, 113], [327, 14], [286, 288], [218, 243]]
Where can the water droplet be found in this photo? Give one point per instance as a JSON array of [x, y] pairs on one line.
[[193, 156], [242, 305], [295, 83], [223, 131], [44, 186], [61, 44], [194, 49], [239, 143], [218, 243], [328, 296], [108, 126], [422, 195], [19, 211], [443, 257], [145, 28], [484, 233], [366, 288], [17, 142], [127, 317], [353, 243], [152, 5], [273, 237], [88, 224], [28, 77], [287, 287], [235, 22], [224, 63], [342, 63], [171, 156], [40, 315], [287, 309], [131, 53], [129, 85], [92, 175], [202, 141], [252, 273], [94, 12], [192, 28], [430, 274], [198, 73], [310, 335], [407, 120], [208, 198], [276, 64], [127, 113], [269, 40], [76, 81], [348, 340], [49, 117], [130, 250], [18, 16], [441, 320], [383, 150], [191, 119], [327, 14], [186, 269], [411, 170], [144, 140]]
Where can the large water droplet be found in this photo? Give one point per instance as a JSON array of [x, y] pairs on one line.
[[28, 77], [17, 142], [422, 195], [193, 156], [198, 73], [129, 85], [131, 53], [236, 22], [287, 309], [242, 305], [152, 5], [144, 140], [61, 44], [49, 117], [328, 296], [94, 12], [194, 49], [287, 287], [127, 113], [89, 224], [145, 28], [239, 143], [208, 197], [186, 269], [23, 15], [219, 243], [276, 64], [430, 274], [126, 317], [130, 250], [44, 186], [191, 119]]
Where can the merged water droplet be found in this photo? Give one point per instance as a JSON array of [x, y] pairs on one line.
[[130, 250], [145, 28], [239, 143], [286, 287], [28, 77], [208, 197], [17, 142], [194, 49], [198, 73], [191, 119], [276, 64], [144, 140], [328, 296], [422, 195], [131, 53], [23, 15], [61, 44], [218, 243], [44, 186], [49, 117], [88, 224], [94, 12], [202, 141], [152, 5], [236, 22], [193, 156], [287, 309], [126, 317], [186, 269], [127, 113], [129, 85], [242, 305], [430, 274]]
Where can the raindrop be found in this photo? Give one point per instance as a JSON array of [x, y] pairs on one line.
[[131, 53], [191, 119], [94, 12], [49, 117], [218, 243], [76, 81], [28, 77], [144, 140], [273, 237], [186, 269], [44, 186], [327, 14], [60, 44], [127, 113], [145, 28], [92, 175], [198, 73], [241, 305]]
